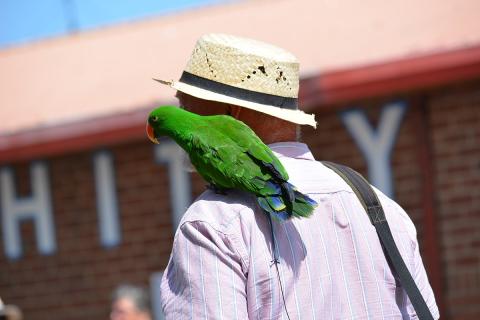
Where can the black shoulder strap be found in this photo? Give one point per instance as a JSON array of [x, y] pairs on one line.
[[374, 209]]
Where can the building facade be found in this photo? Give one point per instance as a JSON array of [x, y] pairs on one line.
[[87, 202]]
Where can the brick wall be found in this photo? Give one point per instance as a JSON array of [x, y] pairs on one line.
[[331, 141], [452, 126], [455, 122], [76, 281]]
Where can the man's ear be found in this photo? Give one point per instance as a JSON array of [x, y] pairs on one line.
[[179, 96], [234, 111]]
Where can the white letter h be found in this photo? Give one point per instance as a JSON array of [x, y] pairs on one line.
[[36, 207]]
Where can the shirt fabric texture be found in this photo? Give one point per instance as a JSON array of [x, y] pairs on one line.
[[331, 265]]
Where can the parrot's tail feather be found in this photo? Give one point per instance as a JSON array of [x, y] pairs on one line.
[[272, 188], [276, 203], [301, 206], [283, 215], [289, 191], [304, 198], [265, 204], [273, 171]]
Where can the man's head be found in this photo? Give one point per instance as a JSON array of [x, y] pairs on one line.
[[250, 80], [269, 129], [130, 303]]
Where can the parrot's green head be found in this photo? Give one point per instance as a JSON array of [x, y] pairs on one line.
[[164, 120]]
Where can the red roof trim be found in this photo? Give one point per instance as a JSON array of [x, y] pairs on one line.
[[327, 89], [73, 137], [391, 77]]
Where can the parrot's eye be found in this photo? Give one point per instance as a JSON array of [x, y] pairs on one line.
[[154, 119]]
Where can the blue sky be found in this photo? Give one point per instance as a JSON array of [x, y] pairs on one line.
[[28, 20]]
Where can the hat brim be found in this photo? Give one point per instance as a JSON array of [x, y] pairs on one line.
[[295, 116]]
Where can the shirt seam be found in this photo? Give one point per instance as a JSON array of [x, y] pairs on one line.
[[231, 236]]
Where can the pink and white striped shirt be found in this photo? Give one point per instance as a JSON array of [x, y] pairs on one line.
[[331, 265]]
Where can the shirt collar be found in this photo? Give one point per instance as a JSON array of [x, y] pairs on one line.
[[294, 150]]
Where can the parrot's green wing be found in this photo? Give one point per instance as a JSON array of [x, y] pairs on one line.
[[223, 162], [249, 142], [232, 159]]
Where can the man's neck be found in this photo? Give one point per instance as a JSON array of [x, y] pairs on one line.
[[276, 135]]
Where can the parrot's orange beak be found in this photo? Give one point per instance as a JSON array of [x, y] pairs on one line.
[[151, 134]]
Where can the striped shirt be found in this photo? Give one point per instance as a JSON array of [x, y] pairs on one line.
[[331, 265]]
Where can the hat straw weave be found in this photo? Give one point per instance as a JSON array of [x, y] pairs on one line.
[[244, 72]]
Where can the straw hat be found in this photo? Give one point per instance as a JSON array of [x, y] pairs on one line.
[[244, 72]]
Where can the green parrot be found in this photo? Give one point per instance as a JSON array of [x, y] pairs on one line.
[[229, 155]]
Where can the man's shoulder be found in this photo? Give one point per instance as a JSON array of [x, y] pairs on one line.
[[397, 217], [220, 211], [312, 176]]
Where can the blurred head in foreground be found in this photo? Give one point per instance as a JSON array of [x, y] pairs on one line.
[[10, 312], [130, 303]]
